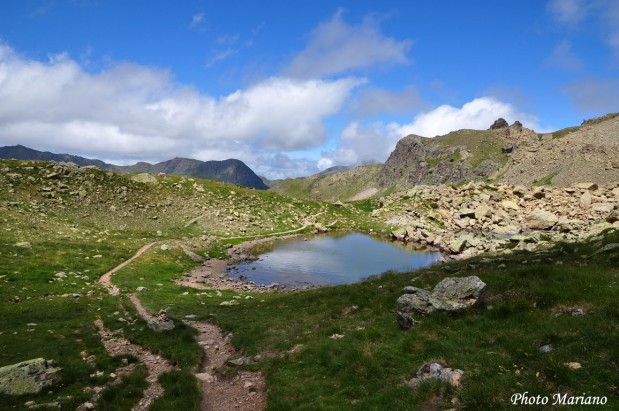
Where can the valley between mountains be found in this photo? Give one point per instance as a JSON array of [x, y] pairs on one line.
[[113, 283]]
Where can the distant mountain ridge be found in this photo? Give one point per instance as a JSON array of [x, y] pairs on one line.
[[230, 171], [503, 153]]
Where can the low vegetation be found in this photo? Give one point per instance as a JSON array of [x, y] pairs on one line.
[[327, 348]]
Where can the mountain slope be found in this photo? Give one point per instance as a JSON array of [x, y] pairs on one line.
[[227, 171], [336, 183], [511, 154], [20, 152]]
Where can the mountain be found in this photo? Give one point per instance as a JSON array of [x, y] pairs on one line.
[[20, 152], [511, 154], [335, 183], [227, 171], [503, 153]]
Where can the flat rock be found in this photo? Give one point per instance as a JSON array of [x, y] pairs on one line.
[[451, 294], [540, 220], [145, 178]]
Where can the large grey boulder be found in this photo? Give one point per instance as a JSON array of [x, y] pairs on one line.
[[415, 300], [28, 377], [540, 220], [145, 178], [451, 294]]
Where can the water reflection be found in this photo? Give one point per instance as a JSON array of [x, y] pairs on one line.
[[334, 258]]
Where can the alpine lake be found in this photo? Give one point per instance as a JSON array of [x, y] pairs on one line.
[[330, 259]]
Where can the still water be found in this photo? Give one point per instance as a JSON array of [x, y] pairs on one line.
[[334, 258]]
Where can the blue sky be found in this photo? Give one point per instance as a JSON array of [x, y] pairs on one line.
[[294, 87]]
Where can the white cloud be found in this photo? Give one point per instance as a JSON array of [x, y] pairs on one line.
[[135, 112], [574, 12], [372, 101], [197, 20], [568, 11], [220, 56], [337, 47], [374, 142], [593, 95], [563, 57], [478, 114]]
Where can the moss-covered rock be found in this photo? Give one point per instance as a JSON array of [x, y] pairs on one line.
[[28, 377]]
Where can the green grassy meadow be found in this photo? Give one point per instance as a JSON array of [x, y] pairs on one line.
[[331, 348]]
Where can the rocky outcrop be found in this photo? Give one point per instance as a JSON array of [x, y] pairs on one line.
[[499, 123], [451, 294], [28, 377]]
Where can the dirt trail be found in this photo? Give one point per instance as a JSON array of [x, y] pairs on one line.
[[156, 365], [105, 279], [245, 391]]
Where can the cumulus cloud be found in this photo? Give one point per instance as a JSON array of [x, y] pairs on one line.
[[337, 47], [373, 142], [135, 112], [372, 101], [478, 114], [563, 57], [593, 95]]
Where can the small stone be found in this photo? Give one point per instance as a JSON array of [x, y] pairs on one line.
[[578, 312], [546, 348], [205, 377], [573, 365]]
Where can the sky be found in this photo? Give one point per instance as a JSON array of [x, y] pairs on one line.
[[294, 87]]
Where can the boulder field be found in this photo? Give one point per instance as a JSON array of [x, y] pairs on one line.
[[479, 217]]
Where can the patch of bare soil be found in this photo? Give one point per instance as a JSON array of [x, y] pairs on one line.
[[156, 365], [245, 391]]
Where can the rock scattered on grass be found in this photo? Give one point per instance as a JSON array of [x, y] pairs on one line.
[[436, 372]]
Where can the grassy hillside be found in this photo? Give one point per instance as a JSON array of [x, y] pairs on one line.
[[62, 227], [356, 183]]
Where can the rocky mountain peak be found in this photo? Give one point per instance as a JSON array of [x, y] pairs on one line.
[[498, 124]]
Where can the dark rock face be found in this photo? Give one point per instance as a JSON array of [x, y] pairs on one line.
[[499, 123], [410, 163], [507, 149]]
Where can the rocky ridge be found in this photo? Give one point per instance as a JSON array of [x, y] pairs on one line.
[[229, 171], [504, 153]]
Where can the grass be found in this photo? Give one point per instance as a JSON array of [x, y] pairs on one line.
[[545, 181], [496, 343], [483, 145]]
